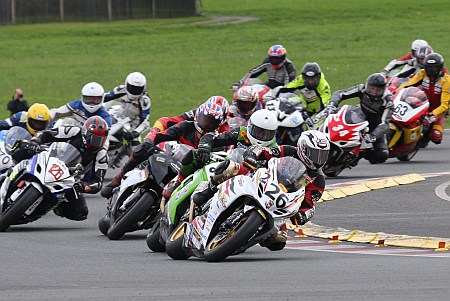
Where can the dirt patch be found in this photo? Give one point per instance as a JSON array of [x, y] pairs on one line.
[[220, 20]]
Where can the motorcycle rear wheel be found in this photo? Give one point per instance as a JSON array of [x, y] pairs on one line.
[[153, 239], [174, 243], [16, 210], [131, 217], [219, 249]]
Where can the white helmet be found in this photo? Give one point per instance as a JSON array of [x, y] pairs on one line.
[[92, 96], [135, 85], [313, 148], [262, 127], [416, 44]]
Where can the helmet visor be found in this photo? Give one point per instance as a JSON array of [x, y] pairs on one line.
[[432, 71], [94, 141], [92, 100], [375, 91], [245, 107], [318, 157], [311, 81], [208, 123], [135, 90], [38, 125], [260, 133], [276, 60]]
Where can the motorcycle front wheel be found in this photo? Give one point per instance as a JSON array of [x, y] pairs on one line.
[[224, 244], [103, 224], [14, 212], [174, 243], [153, 239], [131, 217]]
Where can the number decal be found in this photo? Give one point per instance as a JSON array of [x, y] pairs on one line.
[[400, 109]]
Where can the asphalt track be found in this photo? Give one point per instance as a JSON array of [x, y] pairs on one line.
[[57, 259]]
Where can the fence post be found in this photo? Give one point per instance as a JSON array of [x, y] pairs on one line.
[[13, 11], [61, 10], [153, 9], [110, 10]]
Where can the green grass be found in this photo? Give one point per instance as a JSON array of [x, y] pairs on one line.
[[186, 62]]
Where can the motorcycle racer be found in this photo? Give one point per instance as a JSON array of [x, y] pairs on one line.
[[135, 104], [280, 70], [436, 85], [208, 118], [407, 59], [36, 119], [90, 104], [314, 90], [377, 105], [245, 103], [312, 150]]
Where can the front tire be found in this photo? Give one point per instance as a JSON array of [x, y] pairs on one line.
[[153, 239], [409, 156], [131, 217], [174, 243], [14, 212], [103, 224], [220, 247]]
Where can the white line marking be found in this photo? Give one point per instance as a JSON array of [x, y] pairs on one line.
[[440, 191]]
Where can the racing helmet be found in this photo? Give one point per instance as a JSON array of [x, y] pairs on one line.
[[262, 127], [135, 85], [416, 44], [95, 133], [277, 56], [38, 118], [92, 96], [375, 86], [313, 148], [211, 114], [433, 65], [246, 99], [311, 74], [421, 54]]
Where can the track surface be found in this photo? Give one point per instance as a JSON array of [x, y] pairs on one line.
[[57, 259]]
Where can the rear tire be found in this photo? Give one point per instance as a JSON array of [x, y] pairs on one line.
[[153, 239], [174, 243], [131, 217], [218, 250], [16, 210]]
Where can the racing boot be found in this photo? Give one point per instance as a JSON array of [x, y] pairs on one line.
[[202, 196], [107, 191], [276, 242]]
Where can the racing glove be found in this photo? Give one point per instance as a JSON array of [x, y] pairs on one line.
[[130, 135], [204, 152], [429, 119], [369, 138]]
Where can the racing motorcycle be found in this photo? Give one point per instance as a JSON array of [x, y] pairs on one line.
[[177, 205], [291, 115], [7, 140], [410, 108], [135, 204], [245, 211], [345, 130], [37, 185], [119, 146]]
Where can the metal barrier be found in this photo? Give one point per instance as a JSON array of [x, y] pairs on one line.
[[47, 11]]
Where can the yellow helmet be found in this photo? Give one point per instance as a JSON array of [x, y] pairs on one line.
[[38, 118]]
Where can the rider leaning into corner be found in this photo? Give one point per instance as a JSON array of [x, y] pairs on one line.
[[408, 59], [135, 104], [90, 104], [376, 104], [312, 150], [436, 85], [90, 140], [208, 118], [280, 70]]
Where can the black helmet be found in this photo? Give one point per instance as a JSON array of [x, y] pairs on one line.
[[311, 75], [375, 85], [433, 64]]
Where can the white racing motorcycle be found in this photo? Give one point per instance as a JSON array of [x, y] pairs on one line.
[[245, 210], [291, 116], [37, 185]]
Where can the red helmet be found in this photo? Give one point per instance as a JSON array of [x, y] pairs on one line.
[[210, 115], [95, 132], [246, 99]]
